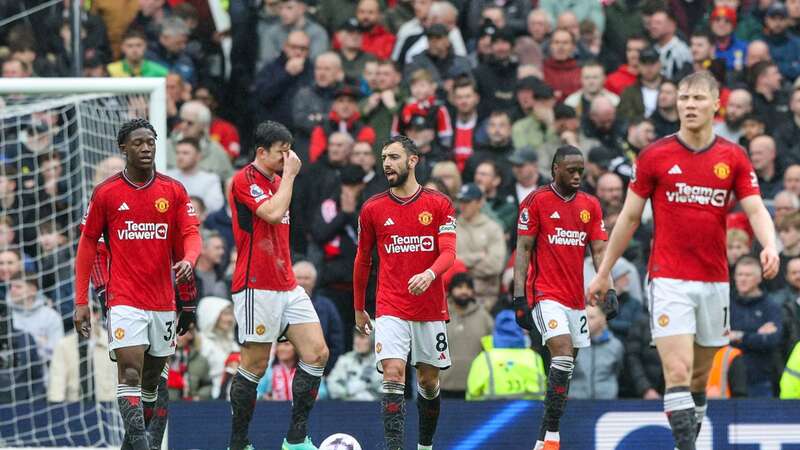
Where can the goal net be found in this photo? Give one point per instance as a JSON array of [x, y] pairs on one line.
[[58, 141]]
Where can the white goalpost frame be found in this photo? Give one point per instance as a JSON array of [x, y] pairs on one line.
[[156, 88]]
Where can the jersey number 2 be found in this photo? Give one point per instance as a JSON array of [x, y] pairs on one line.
[[583, 324]]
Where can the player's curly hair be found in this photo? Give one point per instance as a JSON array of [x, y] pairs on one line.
[[408, 145], [561, 153], [134, 124]]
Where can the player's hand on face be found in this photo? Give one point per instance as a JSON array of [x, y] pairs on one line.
[[770, 263], [183, 271], [291, 163], [363, 324], [82, 319], [419, 283], [597, 289]]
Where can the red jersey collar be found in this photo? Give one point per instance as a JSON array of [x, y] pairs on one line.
[[566, 199], [695, 150], [255, 167], [406, 200], [135, 185]]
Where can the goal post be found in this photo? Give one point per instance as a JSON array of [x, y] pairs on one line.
[[58, 140]]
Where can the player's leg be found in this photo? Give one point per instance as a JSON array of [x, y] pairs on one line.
[[428, 403], [128, 328], [712, 317], [258, 325], [555, 325], [129, 395], [313, 352], [392, 345], [430, 353], [155, 398], [673, 323], [305, 332]]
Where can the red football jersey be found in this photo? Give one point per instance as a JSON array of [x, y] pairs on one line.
[[264, 260], [405, 231], [140, 225], [690, 193], [562, 229]]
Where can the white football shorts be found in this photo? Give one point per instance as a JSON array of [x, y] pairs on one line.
[[427, 342], [554, 319], [129, 326], [264, 316], [690, 307]]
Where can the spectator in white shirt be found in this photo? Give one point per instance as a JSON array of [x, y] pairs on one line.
[[199, 183]]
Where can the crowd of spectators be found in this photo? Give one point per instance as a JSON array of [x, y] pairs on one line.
[[487, 90]]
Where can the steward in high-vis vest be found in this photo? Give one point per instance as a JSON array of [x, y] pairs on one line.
[[790, 381], [507, 368], [728, 376]]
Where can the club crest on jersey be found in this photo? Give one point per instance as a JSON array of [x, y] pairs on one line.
[[552, 324], [119, 334], [162, 205], [722, 170], [585, 216], [378, 347], [257, 193], [663, 320], [260, 330], [425, 218]]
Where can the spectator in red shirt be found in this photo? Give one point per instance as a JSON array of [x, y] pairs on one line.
[[221, 131], [627, 73], [561, 69], [376, 39], [344, 117]]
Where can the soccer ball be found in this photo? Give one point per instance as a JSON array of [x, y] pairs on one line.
[[340, 441]]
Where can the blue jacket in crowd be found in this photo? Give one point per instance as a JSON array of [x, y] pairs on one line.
[[748, 315], [785, 51], [21, 371]]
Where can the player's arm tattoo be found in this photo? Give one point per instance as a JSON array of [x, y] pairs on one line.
[[521, 262]]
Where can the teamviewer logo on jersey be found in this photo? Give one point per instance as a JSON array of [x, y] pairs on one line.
[[409, 244], [143, 231], [701, 195], [567, 237]]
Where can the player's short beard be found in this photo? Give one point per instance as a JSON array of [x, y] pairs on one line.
[[401, 179]]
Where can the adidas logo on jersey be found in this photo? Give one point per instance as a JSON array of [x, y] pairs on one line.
[[123, 207], [388, 222], [555, 215], [675, 170]]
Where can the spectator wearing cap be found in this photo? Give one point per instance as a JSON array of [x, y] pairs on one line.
[[313, 102], [483, 46], [753, 126], [627, 73], [439, 58], [422, 130], [515, 13], [537, 101], [441, 13], [674, 53], [784, 47], [603, 124], [641, 99], [277, 82], [170, 49], [469, 323], [465, 101], [498, 146], [665, 117], [561, 70], [748, 21], [593, 77], [334, 229], [769, 102], [350, 37], [527, 178], [502, 206], [479, 246], [271, 35], [496, 78], [344, 117], [424, 103], [727, 45]]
